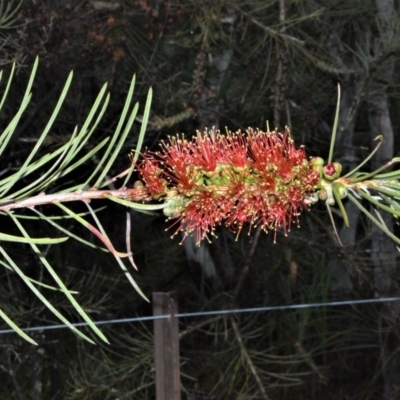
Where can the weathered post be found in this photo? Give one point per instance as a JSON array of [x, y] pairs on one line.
[[166, 347]]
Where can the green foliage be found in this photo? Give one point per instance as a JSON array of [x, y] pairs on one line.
[[10, 48], [52, 167]]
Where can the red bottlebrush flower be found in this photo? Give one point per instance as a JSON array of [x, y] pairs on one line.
[[205, 151], [255, 177], [175, 155], [234, 148], [203, 213], [151, 174]]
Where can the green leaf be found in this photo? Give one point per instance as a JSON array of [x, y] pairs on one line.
[[353, 171], [142, 133], [60, 283], [15, 327], [334, 129], [375, 174], [48, 176], [136, 206], [92, 229], [328, 208], [37, 282], [378, 203], [85, 133], [40, 296], [11, 238], [341, 206], [373, 219], [68, 232], [79, 162], [7, 89], [121, 122], [121, 264], [9, 17], [57, 164], [9, 131]]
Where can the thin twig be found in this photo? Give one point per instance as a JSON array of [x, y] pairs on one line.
[[130, 194], [249, 360], [270, 30]]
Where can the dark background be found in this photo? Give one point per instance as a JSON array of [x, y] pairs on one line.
[[211, 63]]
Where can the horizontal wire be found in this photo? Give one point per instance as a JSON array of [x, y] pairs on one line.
[[211, 313]]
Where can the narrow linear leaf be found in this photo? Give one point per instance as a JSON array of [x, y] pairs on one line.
[[81, 161], [53, 217], [142, 132], [328, 207], [378, 203], [60, 283], [119, 261], [341, 206], [7, 89], [334, 129], [45, 130], [7, 15], [34, 166], [121, 122], [5, 265], [85, 133], [68, 232], [135, 206], [376, 173], [373, 219], [10, 129], [50, 175], [15, 328], [391, 185], [117, 148], [11, 238], [353, 171], [92, 229], [388, 190], [393, 203], [40, 296]]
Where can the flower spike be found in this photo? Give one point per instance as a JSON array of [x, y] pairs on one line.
[[253, 177]]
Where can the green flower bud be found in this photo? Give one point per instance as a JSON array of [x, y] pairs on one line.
[[317, 164], [200, 181], [341, 190], [175, 206], [323, 194], [317, 161], [138, 185]]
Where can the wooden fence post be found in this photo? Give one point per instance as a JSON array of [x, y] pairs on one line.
[[166, 347]]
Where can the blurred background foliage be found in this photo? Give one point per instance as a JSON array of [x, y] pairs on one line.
[[211, 63]]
